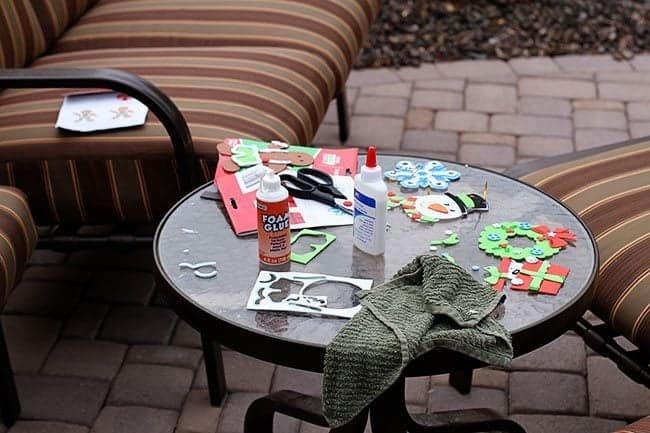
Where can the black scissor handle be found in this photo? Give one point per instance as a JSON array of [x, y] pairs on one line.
[[321, 180], [297, 187], [302, 189], [315, 177]]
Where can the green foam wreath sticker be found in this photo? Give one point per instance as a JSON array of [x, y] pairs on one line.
[[494, 240]]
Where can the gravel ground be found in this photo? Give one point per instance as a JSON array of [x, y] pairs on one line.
[[410, 32]]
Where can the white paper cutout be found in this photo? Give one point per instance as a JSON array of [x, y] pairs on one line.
[[100, 111]]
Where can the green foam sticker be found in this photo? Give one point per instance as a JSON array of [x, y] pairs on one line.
[[304, 258], [451, 240]]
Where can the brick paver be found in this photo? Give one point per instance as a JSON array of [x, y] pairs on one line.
[[164, 355], [46, 427], [243, 373], [381, 105], [544, 106], [86, 319], [437, 99], [430, 141], [566, 424], [531, 125], [612, 394], [30, 339], [638, 110], [419, 118], [558, 88], [461, 121], [491, 98], [445, 398], [132, 419], [533, 145], [139, 325], [442, 84], [587, 138], [567, 354], [96, 349], [85, 358], [68, 399], [116, 287], [547, 392], [150, 385], [198, 415], [43, 298]]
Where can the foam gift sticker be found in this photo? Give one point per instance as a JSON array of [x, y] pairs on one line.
[[304, 293], [533, 275]]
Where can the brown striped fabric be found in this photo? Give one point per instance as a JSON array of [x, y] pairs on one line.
[[128, 175], [641, 426], [333, 29], [17, 238], [21, 37], [54, 16], [610, 190]]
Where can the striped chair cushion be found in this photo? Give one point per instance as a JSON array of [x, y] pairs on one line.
[[17, 238], [55, 16], [127, 175], [610, 189], [21, 37], [641, 426], [333, 29]]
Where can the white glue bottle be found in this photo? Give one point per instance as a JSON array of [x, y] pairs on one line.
[[369, 229], [274, 237]]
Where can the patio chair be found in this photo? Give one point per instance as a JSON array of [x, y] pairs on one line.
[[609, 188], [17, 240]]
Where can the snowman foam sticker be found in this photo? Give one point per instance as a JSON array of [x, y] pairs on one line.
[[435, 207]]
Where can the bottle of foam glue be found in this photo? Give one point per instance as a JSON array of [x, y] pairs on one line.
[[274, 237], [369, 229]]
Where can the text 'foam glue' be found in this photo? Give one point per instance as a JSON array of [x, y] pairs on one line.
[[274, 237]]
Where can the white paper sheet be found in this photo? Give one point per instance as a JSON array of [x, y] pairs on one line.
[[100, 111], [316, 214]]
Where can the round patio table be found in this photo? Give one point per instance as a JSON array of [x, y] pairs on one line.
[[197, 230]]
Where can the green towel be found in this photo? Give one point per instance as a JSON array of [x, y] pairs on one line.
[[430, 303]]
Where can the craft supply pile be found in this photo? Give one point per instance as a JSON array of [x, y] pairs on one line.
[[270, 189]]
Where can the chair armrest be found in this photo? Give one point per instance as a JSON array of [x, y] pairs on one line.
[[121, 81]]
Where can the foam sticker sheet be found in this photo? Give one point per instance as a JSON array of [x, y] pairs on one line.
[[304, 293]]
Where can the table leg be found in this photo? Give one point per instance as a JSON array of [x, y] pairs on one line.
[[214, 370], [461, 380], [388, 412]]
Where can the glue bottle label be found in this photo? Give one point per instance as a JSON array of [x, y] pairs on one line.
[[273, 232], [365, 218]]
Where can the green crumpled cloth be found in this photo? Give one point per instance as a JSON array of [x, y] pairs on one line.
[[430, 303]]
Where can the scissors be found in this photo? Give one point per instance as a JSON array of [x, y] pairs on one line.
[[313, 184]]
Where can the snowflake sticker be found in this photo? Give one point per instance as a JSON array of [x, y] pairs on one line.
[[413, 175]]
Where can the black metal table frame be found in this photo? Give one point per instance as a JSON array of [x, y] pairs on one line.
[[388, 413]]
